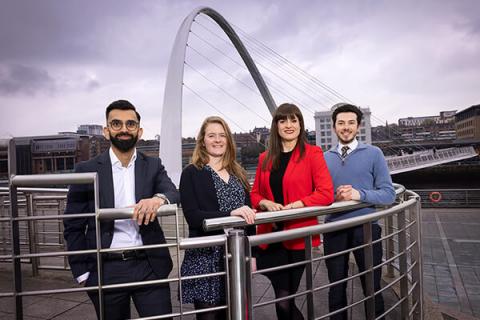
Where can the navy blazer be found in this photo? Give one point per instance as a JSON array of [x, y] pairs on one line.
[[199, 201], [79, 233]]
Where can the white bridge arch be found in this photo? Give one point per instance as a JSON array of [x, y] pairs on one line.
[[171, 120]]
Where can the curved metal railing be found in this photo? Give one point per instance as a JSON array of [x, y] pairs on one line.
[[402, 238]]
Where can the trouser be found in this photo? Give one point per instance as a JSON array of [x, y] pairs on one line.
[[338, 266], [284, 282], [149, 300]]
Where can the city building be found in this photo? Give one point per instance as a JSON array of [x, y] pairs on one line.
[[324, 134], [467, 123], [90, 129], [443, 118], [428, 128]]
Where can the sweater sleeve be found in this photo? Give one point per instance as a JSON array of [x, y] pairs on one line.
[[383, 192], [322, 195], [190, 205]]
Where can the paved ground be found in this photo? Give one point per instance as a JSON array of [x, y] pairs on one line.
[[451, 247], [451, 242], [77, 305]]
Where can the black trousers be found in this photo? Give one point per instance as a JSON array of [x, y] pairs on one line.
[[284, 282], [149, 300], [338, 266]]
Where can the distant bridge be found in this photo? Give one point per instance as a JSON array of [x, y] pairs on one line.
[[428, 158]]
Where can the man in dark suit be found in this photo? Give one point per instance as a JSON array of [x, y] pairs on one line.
[[126, 178]]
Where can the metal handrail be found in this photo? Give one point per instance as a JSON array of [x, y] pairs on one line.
[[284, 215], [237, 258], [291, 234]]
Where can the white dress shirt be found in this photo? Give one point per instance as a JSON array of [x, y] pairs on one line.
[[125, 232], [351, 146]]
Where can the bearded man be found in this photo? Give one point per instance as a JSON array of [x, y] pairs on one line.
[[126, 178]]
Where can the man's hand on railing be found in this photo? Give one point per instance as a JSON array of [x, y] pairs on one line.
[[268, 205], [145, 211], [246, 213], [346, 193]]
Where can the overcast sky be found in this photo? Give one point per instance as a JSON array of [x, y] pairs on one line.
[[63, 62]]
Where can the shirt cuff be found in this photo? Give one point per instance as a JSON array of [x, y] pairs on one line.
[[362, 195], [83, 277]]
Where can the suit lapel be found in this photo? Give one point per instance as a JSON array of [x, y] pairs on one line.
[[140, 176], [105, 177], [107, 195]]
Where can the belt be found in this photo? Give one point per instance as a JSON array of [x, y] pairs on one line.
[[126, 255]]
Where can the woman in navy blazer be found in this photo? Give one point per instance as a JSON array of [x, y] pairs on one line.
[[213, 185]]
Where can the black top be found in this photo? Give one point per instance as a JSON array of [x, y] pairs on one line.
[[276, 183], [200, 200], [276, 177]]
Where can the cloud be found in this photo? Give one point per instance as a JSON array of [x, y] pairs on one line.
[[20, 79], [73, 58]]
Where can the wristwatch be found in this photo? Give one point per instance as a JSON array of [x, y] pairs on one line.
[[162, 196]]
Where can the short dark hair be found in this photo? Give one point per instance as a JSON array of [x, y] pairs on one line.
[[121, 105], [347, 108]]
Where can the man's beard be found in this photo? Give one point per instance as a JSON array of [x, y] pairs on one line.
[[345, 142], [124, 145]]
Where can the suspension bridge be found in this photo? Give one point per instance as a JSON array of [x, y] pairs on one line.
[[240, 78]]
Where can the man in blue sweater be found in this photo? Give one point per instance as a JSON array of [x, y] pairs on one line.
[[359, 172]]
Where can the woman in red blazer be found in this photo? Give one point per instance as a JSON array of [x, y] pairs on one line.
[[290, 174]]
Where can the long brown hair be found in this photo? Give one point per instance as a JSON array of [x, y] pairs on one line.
[[284, 111], [200, 156]]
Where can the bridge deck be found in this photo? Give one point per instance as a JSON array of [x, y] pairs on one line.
[[428, 158]]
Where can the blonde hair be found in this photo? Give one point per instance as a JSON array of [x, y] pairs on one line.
[[200, 156]]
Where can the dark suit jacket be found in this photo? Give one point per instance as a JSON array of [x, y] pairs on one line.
[[200, 202], [150, 178]]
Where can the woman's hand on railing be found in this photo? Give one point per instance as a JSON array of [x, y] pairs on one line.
[[268, 205], [294, 205], [246, 213]]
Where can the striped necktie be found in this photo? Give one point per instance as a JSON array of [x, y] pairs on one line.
[[344, 151]]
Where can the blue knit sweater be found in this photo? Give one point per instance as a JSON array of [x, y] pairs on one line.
[[366, 170]]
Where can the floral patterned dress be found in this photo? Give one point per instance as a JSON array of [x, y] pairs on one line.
[[211, 290]]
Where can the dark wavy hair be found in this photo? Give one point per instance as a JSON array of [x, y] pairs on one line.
[[284, 111], [121, 105], [347, 108]]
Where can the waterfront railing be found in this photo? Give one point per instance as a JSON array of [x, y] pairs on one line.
[[403, 264]]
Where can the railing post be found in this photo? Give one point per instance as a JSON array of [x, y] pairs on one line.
[[236, 247], [15, 234], [402, 247], [249, 280], [415, 257], [98, 233], [32, 238], [309, 278], [368, 257], [389, 245]]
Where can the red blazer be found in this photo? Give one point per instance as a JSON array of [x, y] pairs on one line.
[[305, 179]]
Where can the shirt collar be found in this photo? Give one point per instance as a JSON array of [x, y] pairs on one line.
[[116, 162], [352, 146]]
